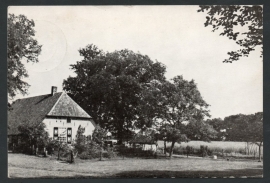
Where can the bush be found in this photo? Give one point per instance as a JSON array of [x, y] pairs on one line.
[[23, 148], [109, 154], [92, 151], [51, 146], [229, 150], [85, 155], [242, 151], [134, 152], [204, 151], [189, 150], [179, 150]]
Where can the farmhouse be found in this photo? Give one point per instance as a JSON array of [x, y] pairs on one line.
[[61, 115]]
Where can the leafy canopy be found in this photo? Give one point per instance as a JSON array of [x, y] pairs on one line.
[[22, 47], [239, 127], [182, 102], [182, 110], [247, 128], [230, 18], [109, 86]]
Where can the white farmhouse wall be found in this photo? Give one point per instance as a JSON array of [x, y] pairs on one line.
[[74, 124]]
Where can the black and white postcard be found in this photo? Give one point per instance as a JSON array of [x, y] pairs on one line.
[[135, 91]]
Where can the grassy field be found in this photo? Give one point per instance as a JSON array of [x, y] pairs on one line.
[[212, 144], [219, 145], [24, 166]]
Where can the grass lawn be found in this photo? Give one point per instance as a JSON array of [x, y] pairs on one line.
[[24, 166]]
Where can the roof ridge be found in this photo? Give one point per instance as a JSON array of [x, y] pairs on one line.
[[36, 96], [31, 110]]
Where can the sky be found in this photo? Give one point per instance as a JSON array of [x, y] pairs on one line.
[[172, 35]]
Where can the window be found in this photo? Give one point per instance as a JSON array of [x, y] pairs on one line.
[[68, 120], [55, 133], [62, 139], [62, 134], [69, 135]]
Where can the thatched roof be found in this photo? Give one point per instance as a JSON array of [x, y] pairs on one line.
[[33, 110], [66, 107]]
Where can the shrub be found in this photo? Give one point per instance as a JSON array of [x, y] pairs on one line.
[[189, 150], [134, 152], [204, 150], [24, 148], [210, 152], [229, 150], [242, 150], [84, 155], [92, 151], [179, 150], [80, 142], [109, 154]]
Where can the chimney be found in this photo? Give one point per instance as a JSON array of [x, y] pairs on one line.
[[54, 90]]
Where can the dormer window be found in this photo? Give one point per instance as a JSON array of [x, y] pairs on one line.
[[68, 120]]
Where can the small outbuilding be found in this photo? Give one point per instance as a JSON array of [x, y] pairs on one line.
[[146, 139]]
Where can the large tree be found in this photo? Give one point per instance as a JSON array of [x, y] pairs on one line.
[[109, 86], [22, 47], [229, 18], [183, 111]]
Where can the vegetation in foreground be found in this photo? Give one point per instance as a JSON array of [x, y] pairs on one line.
[[24, 166]]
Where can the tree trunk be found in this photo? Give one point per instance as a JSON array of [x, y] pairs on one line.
[[171, 150], [71, 157], [120, 131], [165, 147], [260, 157], [58, 158], [100, 153]]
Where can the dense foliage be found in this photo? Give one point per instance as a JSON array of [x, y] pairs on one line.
[[109, 86], [240, 127], [182, 112], [249, 18], [124, 91], [22, 47], [32, 137]]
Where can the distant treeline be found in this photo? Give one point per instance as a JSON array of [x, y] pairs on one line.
[[239, 127]]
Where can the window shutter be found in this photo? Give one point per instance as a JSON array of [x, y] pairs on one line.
[[55, 133], [69, 135]]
